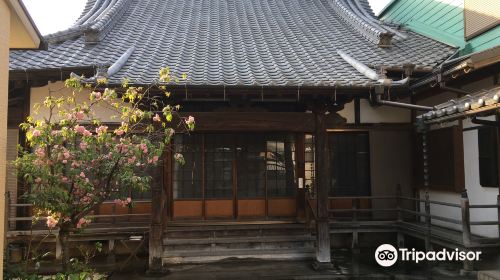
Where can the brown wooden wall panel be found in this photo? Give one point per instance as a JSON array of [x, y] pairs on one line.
[[187, 209], [445, 160], [251, 207], [347, 203], [141, 207], [106, 208], [282, 207], [218, 208]]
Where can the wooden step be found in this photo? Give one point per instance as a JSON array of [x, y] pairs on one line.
[[262, 239]]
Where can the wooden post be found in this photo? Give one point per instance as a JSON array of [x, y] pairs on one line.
[[111, 257], [466, 233], [400, 236], [468, 266], [497, 118], [498, 207], [355, 235], [156, 266], [323, 257], [428, 222], [307, 211]]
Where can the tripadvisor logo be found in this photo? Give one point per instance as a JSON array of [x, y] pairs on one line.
[[386, 255]]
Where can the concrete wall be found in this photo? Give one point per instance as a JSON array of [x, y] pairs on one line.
[[477, 193], [4, 101]]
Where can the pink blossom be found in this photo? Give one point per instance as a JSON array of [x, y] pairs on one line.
[[51, 222], [65, 161], [38, 180], [40, 152], [64, 179], [155, 159], [83, 145], [82, 174], [80, 115], [66, 154], [80, 129], [123, 203], [190, 120], [157, 118], [82, 222], [119, 132], [75, 164], [36, 133], [101, 129], [143, 147], [96, 95]]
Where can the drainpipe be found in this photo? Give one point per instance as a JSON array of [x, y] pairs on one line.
[[371, 74], [402, 105], [113, 69]]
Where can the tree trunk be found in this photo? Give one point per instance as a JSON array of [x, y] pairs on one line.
[[63, 240]]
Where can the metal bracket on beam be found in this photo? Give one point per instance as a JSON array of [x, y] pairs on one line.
[[475, 120]]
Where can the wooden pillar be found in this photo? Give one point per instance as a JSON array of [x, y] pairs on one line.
[[355, 234], [497, 118], [158, 217], [466, 231], [428, 222], [400, 235], [323, 257]]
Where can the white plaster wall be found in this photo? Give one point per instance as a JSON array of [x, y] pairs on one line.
[[348, 112], [384, 114], [477, 193], [38, 95], [378, 114]]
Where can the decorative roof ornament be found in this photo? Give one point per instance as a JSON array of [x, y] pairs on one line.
[[94, 23], [355, 16]]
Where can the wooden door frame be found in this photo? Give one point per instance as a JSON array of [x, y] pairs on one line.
[[168, 179]]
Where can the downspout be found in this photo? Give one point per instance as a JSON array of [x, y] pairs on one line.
[[112, 70], [371, 74]]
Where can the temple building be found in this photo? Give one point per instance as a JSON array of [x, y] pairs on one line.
[[317, 125]]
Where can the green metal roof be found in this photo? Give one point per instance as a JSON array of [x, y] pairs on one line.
[[439, 20]]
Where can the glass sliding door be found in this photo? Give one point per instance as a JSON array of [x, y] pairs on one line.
[[219, 179], [280, 175], [187, 187], [251, 179], [240, 176]]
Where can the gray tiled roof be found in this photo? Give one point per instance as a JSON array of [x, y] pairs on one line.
[[234, 42]]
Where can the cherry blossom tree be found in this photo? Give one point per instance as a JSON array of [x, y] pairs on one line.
[[74, 162]]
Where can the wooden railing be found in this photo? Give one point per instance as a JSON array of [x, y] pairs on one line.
[[417, 216], [103, 221]]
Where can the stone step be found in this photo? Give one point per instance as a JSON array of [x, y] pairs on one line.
[[245, 239], [236, 230], [209, 256]]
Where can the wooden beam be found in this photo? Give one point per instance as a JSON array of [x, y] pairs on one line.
[[260, 121]]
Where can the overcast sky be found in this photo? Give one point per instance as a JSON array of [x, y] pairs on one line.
[[55, 15]]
